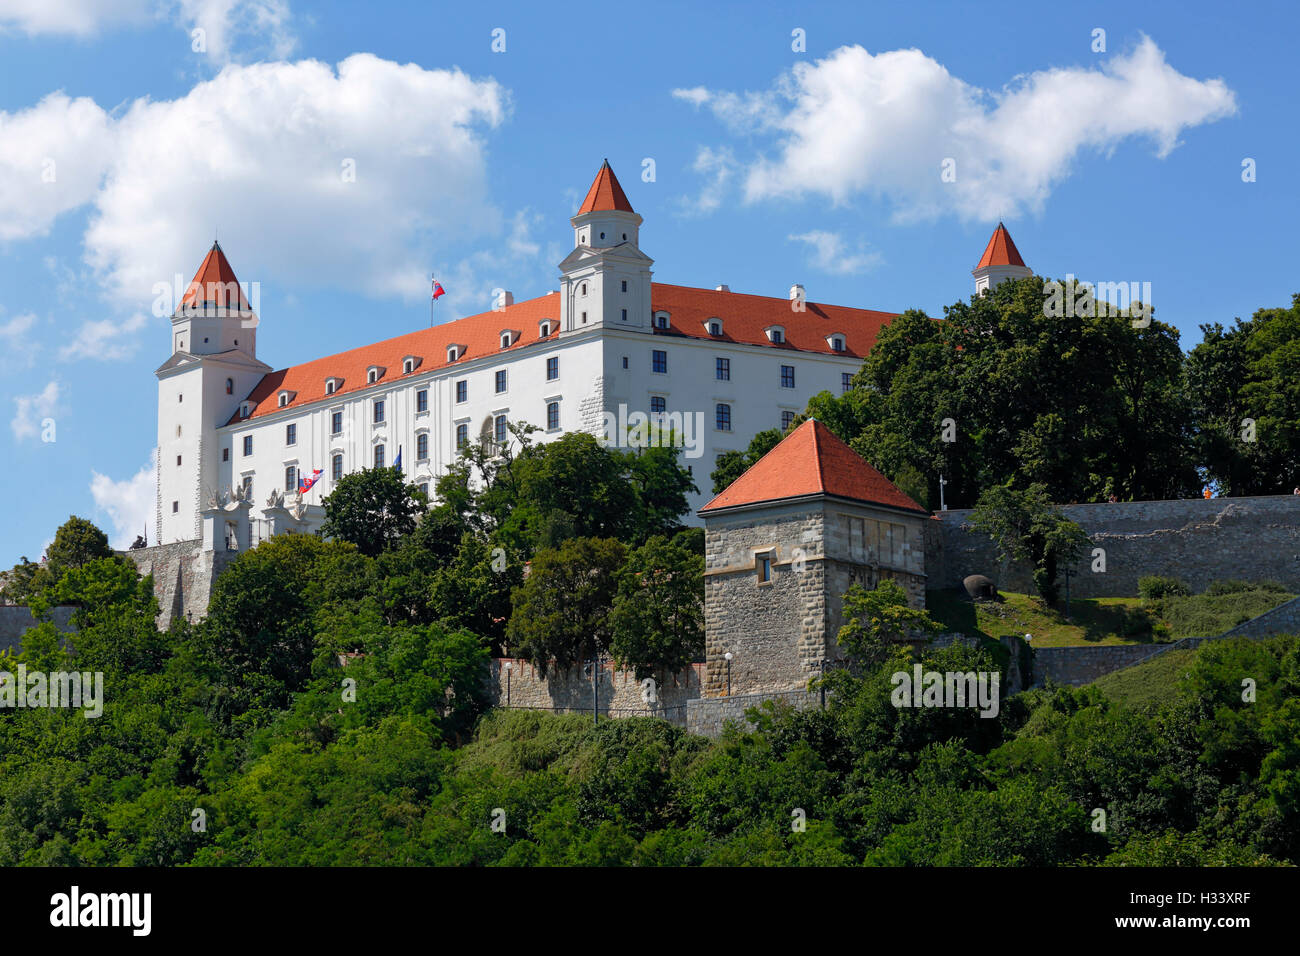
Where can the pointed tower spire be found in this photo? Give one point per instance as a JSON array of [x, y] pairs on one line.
[[605, 194], [1001, 261], [215, 285]]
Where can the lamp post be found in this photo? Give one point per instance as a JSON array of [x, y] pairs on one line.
[[727, 657], [595, 689], [942, 481], [509, 667], [1068, 573]]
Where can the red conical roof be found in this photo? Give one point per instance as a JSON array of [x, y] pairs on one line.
[[605, 193], [215, 283], [812, 460], [1000, 251]]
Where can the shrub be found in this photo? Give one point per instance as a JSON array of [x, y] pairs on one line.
[[1155, 586]]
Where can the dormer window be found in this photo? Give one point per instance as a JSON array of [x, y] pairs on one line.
[[410, 364], [332, 385], [509, 337], [245, 409], [836, 342], [454, 352], [714, 326], [285, 398], [374, 374], [544, 328], [662, 320], [775, 334]]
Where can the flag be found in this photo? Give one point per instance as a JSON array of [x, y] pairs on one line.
[[397, 462], [304, 484], [438, 290]]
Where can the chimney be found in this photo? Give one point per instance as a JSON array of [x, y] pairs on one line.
[[723, 288], [796, 292]]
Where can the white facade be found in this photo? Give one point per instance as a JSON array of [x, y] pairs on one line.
[[616, 355]]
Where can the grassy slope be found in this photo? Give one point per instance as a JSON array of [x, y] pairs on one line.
[[1093, 621], [1152, 681]]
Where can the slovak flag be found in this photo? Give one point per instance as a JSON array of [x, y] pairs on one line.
[[438, 290], [304, 484]]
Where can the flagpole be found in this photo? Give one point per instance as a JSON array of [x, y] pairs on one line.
[[432, 280]]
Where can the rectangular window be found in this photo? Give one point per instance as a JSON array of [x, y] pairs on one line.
[[552, 416], [722, 417], [178, 461], [422, 400], [462, 391], [291, 478], [658, 404], [379, 456], [846, 381], [176, 507], [722, 369], [658, 361], [291, 434], [248, 445], [422, 446], [248, 486], [225, 454], [378, 411], [624, 316], [764, 562], [787, 419], [424, 487], [462, 436], [501, 429], [625, 361], [787, 376], [552, 368], [336, 423], [336, 468], [501, 381], [624, 285]]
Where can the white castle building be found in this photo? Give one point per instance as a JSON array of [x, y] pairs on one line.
[[235, 435]]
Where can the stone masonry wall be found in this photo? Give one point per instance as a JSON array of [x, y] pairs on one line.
[[1283, 619], [774, 631], [620, 693], [707, 716], [15, 621], [1199, 540], [183, 574]]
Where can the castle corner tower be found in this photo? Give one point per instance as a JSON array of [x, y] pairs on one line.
[[1001, 261]]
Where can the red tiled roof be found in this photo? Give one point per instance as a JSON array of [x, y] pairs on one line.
[[214, 278], [811, 460], [1000, 251], [605, 193], [744, 319]]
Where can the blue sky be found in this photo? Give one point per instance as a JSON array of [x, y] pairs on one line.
[[771, 166]]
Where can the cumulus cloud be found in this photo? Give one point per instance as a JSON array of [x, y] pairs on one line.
[[129, 503], [105, 340], [883, 125], [829, 252], [31, 410], [18, 346], [262, 23], [352, 179]]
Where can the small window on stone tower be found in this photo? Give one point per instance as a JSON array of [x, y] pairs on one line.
[[763, 564]]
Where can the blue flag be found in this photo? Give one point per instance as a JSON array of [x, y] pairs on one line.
[[397, 462]]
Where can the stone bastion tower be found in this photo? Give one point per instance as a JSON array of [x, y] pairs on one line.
[[783, 543]]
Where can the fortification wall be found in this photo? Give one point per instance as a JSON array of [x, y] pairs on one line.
[[620, 693], [708, 715], [183, 574], [15, 621], [1199, 540]]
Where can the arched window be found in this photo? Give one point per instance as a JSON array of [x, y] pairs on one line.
[[230, 386]]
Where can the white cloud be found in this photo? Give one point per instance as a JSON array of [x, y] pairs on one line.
[[257, 22], [105, 340], [52, 159], [857, 124], [718, 167], [129, 503], [80, 18], [31, 410], [830, 253], [18, 346]]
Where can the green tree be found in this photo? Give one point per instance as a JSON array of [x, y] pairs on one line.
[[77, 542], [561, 614], [1026, 527], [877, 621], [658, 615], [372, 509]]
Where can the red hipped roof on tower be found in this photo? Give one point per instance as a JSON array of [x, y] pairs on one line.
[[1000, 251], [605, 193], [812, 460], [214, 281]]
